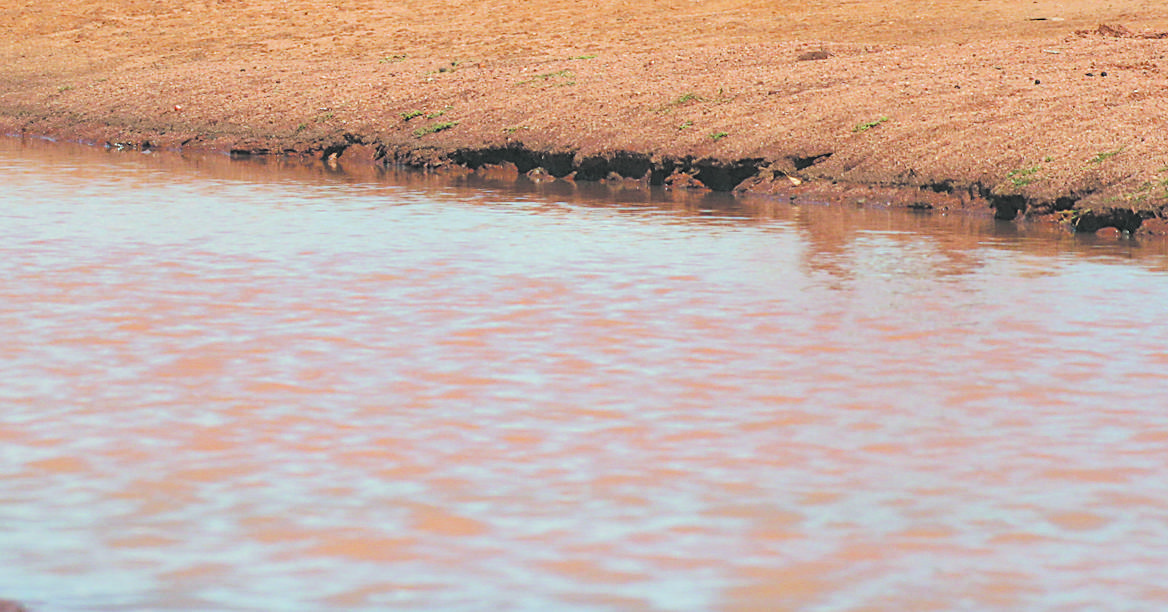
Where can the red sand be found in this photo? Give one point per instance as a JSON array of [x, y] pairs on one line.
[[1029, 109]]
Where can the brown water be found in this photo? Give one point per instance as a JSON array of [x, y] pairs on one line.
[[231, 386]]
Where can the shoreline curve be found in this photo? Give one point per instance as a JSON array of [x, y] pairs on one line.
[[994, 111]]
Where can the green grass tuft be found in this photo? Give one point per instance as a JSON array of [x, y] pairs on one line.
[[867, 125], [565, 74], [1023, 176], [1106, 155], [434, 128]]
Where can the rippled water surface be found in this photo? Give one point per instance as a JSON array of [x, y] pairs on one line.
[[231, 386]]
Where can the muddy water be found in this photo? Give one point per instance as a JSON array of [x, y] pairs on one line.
[[232, 386]]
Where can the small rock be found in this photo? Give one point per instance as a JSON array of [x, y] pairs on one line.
[[360, 153], [540, 175], [11, 606], [809, 56], [1153, 227], [681, 180], [1113, 31], [504, 171], [615, 179], [1108, 232]]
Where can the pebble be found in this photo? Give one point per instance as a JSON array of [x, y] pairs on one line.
[[1108, 232]]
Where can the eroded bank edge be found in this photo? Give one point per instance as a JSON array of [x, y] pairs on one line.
[[789, 178], [786, 178]]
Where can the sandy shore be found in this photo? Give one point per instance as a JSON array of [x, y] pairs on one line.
[[1027, 110]]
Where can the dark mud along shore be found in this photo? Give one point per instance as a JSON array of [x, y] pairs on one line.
[[1039, 110]]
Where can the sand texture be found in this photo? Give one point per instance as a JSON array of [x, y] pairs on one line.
[[1042, 109]]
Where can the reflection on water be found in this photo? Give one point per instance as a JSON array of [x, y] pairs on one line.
[[238, 387]]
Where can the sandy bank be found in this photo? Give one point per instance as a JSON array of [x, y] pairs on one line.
[[1024, 110]]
